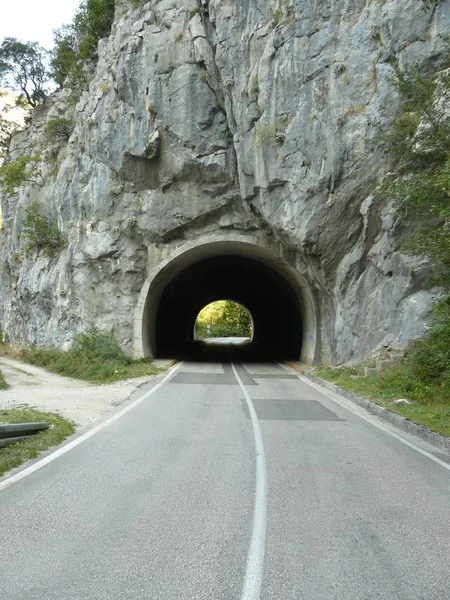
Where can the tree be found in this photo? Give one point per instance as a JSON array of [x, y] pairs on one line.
[[10, 121], [225, 318], [419, 142], [22, 66], [76, 43], [19, 172]]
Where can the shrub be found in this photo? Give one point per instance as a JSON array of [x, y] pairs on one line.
[[19, 172], [59, 130], [94, 345], [428, 360], [42, 233]]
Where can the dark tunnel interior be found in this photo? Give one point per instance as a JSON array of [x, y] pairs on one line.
[[270, 299]]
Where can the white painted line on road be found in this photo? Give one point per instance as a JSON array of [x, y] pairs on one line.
[[255, 558], [51, 457], [347, 404]]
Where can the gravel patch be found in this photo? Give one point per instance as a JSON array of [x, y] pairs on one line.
[[76, 400]]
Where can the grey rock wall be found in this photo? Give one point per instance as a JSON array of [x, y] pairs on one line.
[[219, 116]]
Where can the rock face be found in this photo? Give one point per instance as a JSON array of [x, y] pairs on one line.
[[217, 116]]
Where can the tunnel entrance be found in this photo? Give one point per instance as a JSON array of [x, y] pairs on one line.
[[267, 296], [273, 291]]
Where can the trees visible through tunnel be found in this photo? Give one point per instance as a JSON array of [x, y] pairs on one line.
[[223, 318]]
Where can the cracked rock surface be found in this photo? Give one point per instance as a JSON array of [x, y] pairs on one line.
[[222, 115]]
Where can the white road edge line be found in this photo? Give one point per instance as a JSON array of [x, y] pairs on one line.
[[51, 457], [255, 558], [343, 402]]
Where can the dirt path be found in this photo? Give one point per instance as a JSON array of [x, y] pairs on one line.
[[76, 400]]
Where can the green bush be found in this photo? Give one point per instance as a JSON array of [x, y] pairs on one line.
[[95, 357], [94, 345], [428, 360], [59, 130], [42, 233]]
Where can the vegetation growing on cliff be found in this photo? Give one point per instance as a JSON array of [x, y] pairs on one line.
[[75, 52], [419, 144], [19, 172], [59, 129], [42, 232]]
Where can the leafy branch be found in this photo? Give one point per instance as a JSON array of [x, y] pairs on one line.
[[19, 172]]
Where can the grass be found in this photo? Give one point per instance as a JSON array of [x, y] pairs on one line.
[[3, 384], [16, 454], [430, 407], [95, 357]]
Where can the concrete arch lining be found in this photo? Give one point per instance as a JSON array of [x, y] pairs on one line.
[[259, 248]]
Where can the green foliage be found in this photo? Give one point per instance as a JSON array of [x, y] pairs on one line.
[[14, 455], [42, 233], [419, 142], [94, 345], [428, 360], [225, 319], [272, 133], [67, 68], [3, 384], [387, 386], [24, 63], [95, 357], [59, 130], [18, 172], [8, 126], [75, 52]]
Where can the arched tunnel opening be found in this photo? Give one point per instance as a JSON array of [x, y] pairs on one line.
[[266, 295], [275, 295]]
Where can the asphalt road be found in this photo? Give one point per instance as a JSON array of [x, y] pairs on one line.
[[201, 488]]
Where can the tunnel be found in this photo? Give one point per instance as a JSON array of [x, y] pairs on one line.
[[269, 288], [266, 295]]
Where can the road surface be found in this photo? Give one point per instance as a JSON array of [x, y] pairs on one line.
[[235, 483]]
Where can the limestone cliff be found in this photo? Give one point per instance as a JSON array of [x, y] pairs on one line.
[[220, 116]]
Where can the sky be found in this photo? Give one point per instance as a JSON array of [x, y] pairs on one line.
[[35, 20]]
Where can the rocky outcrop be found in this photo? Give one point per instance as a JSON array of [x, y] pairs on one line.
[[223, 115]]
